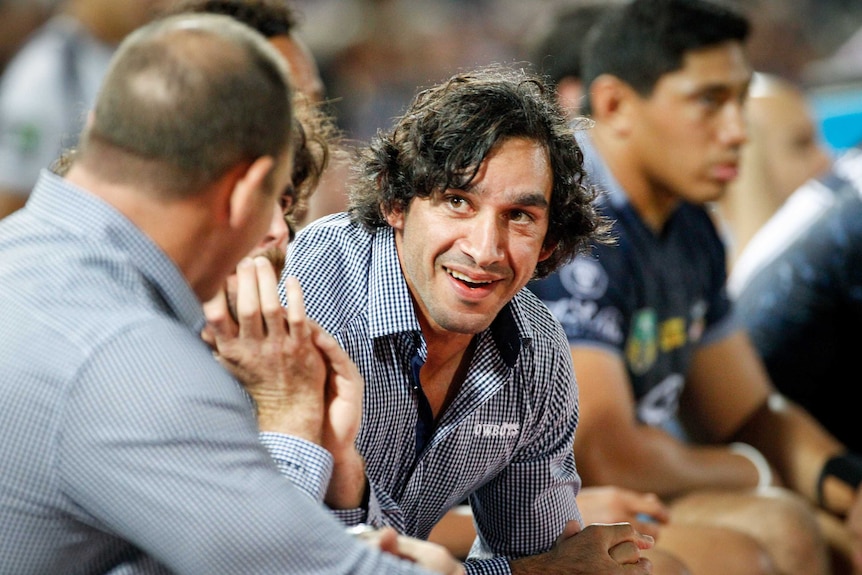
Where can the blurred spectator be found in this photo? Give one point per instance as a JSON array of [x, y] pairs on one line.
[[50, 83], [18, 18], [648, 319], [374, 54], [798, 284], [798, 290], [784, 149], [555, 51], [789, 34]]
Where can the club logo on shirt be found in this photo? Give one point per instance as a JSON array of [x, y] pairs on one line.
[[672, 334], [642, 346], [497, 429], [584, 277]]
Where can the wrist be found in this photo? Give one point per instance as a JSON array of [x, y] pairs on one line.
[[348, 488], [764, 470]]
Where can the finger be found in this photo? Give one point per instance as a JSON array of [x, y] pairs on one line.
[[220, 322], [248, 300], [339, 361], [296, 318], [385, 539], [625, 553], [621, 532], [647, 527], [208, 335], [267, 287], [643, 565], [649, 504]]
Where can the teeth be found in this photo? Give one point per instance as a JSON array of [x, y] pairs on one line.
[[464, 278]]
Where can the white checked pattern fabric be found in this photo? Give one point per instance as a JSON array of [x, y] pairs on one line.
[[506, 439]]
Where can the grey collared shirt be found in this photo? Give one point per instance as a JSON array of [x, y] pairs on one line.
[[123, 438]]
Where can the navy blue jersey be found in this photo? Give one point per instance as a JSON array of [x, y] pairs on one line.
[[651, 297], [798, 287]]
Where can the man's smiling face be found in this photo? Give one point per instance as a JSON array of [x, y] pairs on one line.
[[466, 253]]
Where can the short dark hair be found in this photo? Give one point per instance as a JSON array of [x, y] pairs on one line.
[[646, 39], [557, 52], [446, 133]]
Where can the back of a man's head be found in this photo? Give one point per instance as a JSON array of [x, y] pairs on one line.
[[646, 39], [557, 52], [186, 98]]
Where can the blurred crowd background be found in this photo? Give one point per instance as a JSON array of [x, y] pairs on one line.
[[374, 54]]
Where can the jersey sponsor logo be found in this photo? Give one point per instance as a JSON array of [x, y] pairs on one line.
[[661, 403], [642, 343], [585, 278], [585, 317], [497, 429], [672, 334]]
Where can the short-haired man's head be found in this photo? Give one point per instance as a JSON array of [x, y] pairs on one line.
[[187, 98], [448, 131], [645, 39], [557, 52]]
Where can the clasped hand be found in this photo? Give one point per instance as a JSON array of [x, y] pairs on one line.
[[302, 381]]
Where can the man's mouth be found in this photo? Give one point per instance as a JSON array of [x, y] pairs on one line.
[[467, 280]]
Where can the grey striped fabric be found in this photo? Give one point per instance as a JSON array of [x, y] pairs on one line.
[[123, 440]]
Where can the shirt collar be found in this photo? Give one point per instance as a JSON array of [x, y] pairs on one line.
[[83, 214]]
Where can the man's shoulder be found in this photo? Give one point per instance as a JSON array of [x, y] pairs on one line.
[[536, 320], [333, 245], [334, 260]]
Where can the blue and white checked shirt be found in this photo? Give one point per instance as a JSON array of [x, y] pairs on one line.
[[123, 439], [506, 439]]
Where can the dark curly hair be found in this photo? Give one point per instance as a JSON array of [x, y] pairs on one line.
[[315, 137], [441, 140]]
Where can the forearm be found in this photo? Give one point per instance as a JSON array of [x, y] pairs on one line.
[[348, 487], [795, 444], [660, 463]]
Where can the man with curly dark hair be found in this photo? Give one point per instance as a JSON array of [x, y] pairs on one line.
[[469, 387]]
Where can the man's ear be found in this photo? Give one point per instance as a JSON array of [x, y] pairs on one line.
[[244, 183], [610, 101], [547, 251], [395, 217]]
